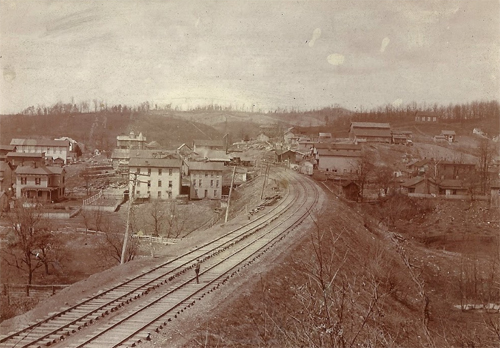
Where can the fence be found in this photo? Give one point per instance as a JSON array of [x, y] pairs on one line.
[[30, 290], [450, 197], [161, 240], [92, 199]]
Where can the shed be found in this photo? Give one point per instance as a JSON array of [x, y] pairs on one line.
[[350, 190]]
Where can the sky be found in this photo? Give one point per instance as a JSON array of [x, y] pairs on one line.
[[266, 53]]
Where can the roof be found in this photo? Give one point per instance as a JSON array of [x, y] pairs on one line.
[[337, 146], [206, 166], [370, 125], [420, 163], [366, 132], [451, 183], [39, 142], [215, 155], [39, 170], [447, 163], [7, 147], [412, 181], [406, 132], [155, 162], [448, 132], [348, 183], [325, 135], [120, 153], [25, 154], [338, 153], [132, 136], [153, 153], [4, 166], [208, 143]]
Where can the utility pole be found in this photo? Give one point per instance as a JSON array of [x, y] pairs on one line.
[[127, 227], [130, 201], [229, 197], [266, 173]]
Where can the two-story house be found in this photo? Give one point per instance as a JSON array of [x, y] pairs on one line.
[[155, 178], [54, 149], [131, 141], [205, 180], [45, 184], [338, 158]]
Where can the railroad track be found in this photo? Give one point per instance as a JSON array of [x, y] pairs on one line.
[[129, 311]]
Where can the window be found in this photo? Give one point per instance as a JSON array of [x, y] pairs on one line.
[[215, 193], [170, 171], [217, 183], [211, 183], [149, 171], [137, 192], [211, 173], [40, 193], [149, 183], [170, 184], [38, 181], [159, 194], [196, 193], [194, 182], [138, 170], [199, 182], [206, 174], [159, 183], [160, 172], [169, 194], [24, 180]]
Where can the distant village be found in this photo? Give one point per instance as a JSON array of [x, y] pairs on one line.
[[37, 168]]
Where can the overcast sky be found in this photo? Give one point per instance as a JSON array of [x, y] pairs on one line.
[[303, 54]]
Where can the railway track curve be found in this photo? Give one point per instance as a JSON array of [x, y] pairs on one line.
[[125, 314]]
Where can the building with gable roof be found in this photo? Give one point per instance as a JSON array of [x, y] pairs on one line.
[[50, 148], [205, 180], [45, 184], [370, 132], [155, 178]]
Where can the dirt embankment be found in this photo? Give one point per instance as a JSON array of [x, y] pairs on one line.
[[347, 281]]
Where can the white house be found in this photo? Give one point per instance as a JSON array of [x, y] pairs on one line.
[[155, 178], [205, 180], [51, 148]]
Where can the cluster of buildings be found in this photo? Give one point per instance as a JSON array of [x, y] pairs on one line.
[[34, 168], [196, 170]]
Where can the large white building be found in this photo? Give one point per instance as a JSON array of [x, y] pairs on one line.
[[155, 178], [53, 149]]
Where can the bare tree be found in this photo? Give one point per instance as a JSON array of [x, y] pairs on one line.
[[364, 171], [29, 240], [485, 154]]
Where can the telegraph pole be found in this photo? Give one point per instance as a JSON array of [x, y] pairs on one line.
[[266, 173], [229, 197], [130, 201]]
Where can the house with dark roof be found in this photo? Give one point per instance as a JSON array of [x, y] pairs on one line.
[[155, 178], [44, 184], [4, 150], [287, 156], [21, 158], [420, 167], [452, 187], [51, 148], [205, 180], [421, 185], [370, 132]]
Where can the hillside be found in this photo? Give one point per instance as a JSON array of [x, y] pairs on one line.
[[99, 130]]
